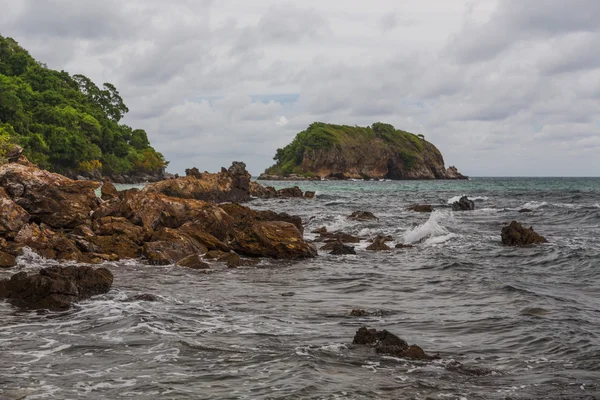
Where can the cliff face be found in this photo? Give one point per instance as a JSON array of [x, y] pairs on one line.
[[345, 152]]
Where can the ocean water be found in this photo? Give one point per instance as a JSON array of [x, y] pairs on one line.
[[508, 323]]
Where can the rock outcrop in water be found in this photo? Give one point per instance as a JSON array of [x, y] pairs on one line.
[[387, 343], [60, 218], [55, 288], [515, 234], [327, 151], [463, 204]]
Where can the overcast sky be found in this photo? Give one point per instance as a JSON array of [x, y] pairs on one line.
[[508, 87]]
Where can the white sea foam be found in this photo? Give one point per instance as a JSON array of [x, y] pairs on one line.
[[430, 232], [534, 205]]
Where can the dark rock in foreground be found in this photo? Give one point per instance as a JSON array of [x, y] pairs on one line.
[[362, 216], [339, 248], [389, 344], [55, 288], [515, 234], [464, 204]]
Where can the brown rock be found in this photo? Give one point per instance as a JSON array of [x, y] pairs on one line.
[[262, 192], [241, 214], [109, 226], [47, 243], [196, 231], [55, 288], [290, 192], [108, 191], [12, 216], [194, 262], [339, 237], [7, 260], [362, 216], [276, 239], [232, 260], [320, 230], [379, 244], [421, 208], [50, 198], [119, 245], [168, 246], [358, 313], [389, 344], [309, 194], [339, 248], [515, 234]]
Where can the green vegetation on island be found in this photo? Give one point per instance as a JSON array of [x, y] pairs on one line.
[[66, 123], [379, 151]]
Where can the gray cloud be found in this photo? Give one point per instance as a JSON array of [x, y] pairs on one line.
[[501, 87]]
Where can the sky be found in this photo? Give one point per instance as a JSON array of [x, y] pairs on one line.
[[501, 87]]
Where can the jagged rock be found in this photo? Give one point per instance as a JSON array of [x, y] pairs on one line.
[[452, 173], [194, 262], [228, 185], [47, 243], [421, 208], [50, 198], [168, 246], [193, 172], [262, 192], [12, 216], [196, 230], [379, 244], [362, 216], [339, 248], [107, 226], [464, 204], [309, 194], [241, 213], [55, 288], [290, 192], [515, 234], [275, 239], [389, 344], [7, 260], [108, 191], [119, 245]]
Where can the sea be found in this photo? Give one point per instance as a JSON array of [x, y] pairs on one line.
[[506, 322]]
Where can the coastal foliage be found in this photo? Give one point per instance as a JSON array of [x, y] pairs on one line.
[[66, 123], [320, 136]]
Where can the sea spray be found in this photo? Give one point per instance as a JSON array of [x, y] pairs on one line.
[[432, 228]]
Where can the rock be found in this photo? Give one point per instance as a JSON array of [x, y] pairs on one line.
[[144, 297], [7, 260], [309, 194], [379, 244], [287, 294], [464, 204], [515, 234], [525, 210], [168, 246], [108, 226], [389, 344], [196, 231], [339, 248], [452, 173], [228, 185], [193, 172], [339, 237], [403, 246], [290, 192], [240, 213], [119, 245], [50, 198], [55, 288], [358, 313], [421, 208], [194, 262], [232, 260], [275, 239], [47, 243], [262, 192], [12, 216], [362, 216], [320, 230], [108, 191]]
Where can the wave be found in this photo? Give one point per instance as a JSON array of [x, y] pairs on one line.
[[534, 205], [430, 232]]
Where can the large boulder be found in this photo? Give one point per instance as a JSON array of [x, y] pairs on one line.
[[275, 239], [168, 246], [231, 184], [12, 216], [389, 344], [463, 204], [290, 192], [55, 288], [49, 198], [515, 234], [108, 191], [241, 214]]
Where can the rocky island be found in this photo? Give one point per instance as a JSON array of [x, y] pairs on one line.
[[379, 151]]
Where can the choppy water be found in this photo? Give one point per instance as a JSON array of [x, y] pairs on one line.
[[528, 318]]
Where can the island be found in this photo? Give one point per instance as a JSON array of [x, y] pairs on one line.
[[379, 151]]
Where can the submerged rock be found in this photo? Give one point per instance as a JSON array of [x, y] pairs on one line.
[[403, 246], [421, 208], [340, 248], [338, 237], [525, 210], [362, 216], [389, 344], [464, 204], [309, 194], [515, 234], [193, 262], [379, 244], [55, 288], [358, 313]]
